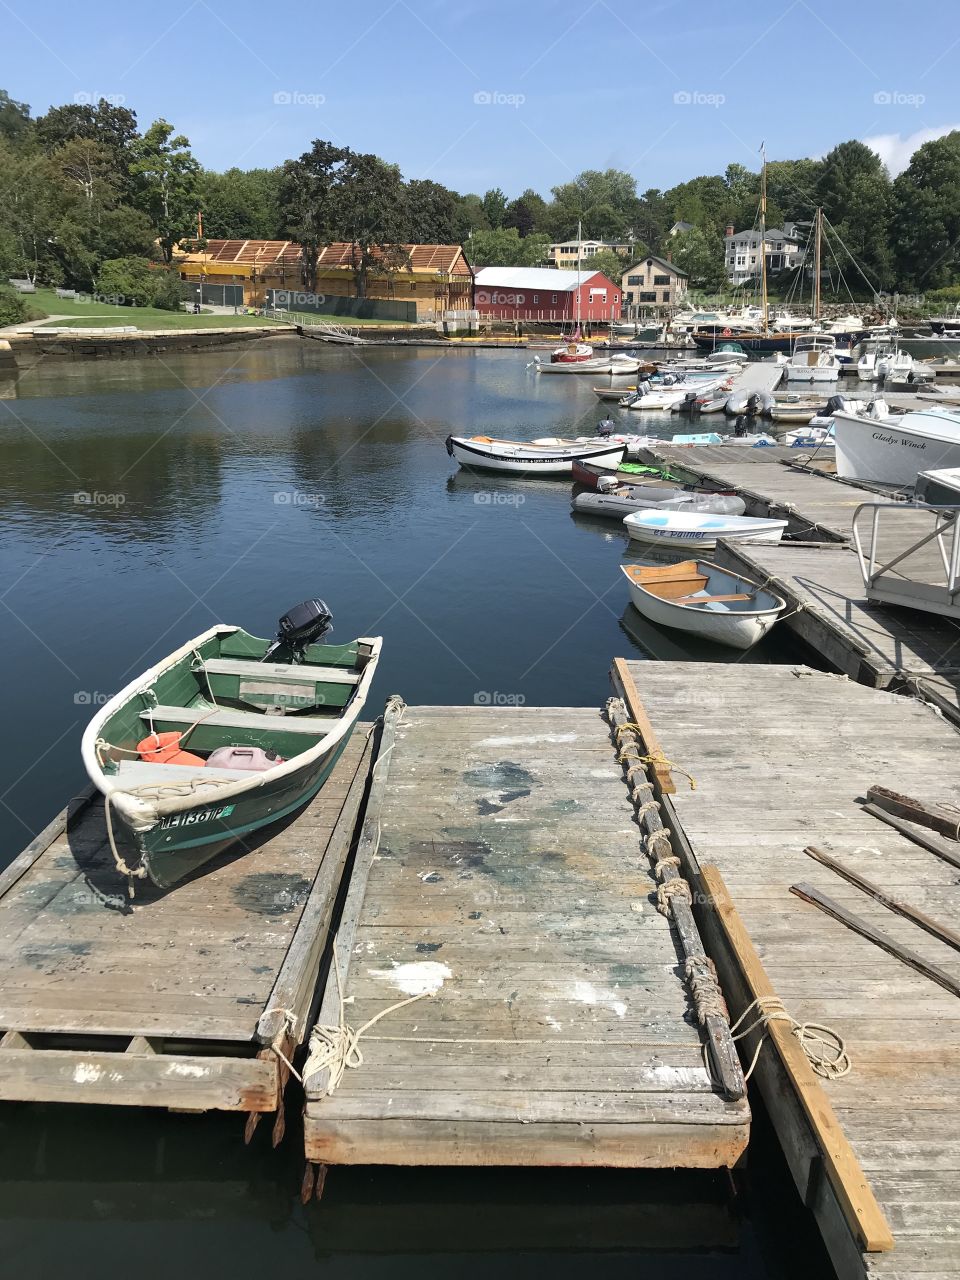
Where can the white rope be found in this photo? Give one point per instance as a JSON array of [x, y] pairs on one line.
[[337, 1047], [825, 1048]]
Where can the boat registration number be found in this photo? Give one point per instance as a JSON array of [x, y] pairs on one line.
[[198, 815]]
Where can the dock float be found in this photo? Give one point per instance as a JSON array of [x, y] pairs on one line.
[[519, 997], [875, 644], [192, 999], [783, 758]]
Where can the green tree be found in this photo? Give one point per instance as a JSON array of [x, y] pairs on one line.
[[469, 217], [495, 207], [307, 202], [855, 193], [110, 126], [370, 213], [926, 220], [604, 201], [700, 254], [240, 204], [504, 247], [431, 213], [607, 262], [528, 213], [166, 176], [14, 117]]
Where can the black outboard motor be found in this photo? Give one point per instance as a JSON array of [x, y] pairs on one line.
[[303, 625], [449, 443]]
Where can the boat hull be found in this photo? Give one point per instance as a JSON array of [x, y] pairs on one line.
[[882, 451], [515, 459], [741, 630], [673, 531]]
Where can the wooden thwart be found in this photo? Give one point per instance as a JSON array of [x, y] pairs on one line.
[[849, 1182]]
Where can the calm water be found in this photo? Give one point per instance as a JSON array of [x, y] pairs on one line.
[[143, 501]]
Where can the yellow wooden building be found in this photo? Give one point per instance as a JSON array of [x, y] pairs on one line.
[[432, 278]]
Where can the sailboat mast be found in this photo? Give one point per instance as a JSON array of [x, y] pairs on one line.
[[763, 238], [579, 252], [818, 239]]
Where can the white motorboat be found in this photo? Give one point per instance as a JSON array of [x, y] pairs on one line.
[[571, 352], [693, 529], [529, 457], [705, 600], [893, 449], [814, 359]]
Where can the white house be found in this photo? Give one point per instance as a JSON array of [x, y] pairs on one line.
[[742, 252], [564, 253]]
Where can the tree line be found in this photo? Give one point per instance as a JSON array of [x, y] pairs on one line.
[[90, 201]]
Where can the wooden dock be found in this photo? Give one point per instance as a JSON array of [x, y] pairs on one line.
[[879, 645], [500, 871], [189, 999], [782, 757]]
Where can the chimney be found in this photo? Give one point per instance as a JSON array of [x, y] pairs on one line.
[[730, 230]]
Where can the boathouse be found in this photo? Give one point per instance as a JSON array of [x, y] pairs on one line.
[[543, 293], [421, 281]]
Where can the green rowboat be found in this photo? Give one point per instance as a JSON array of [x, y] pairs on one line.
[[224, 689]]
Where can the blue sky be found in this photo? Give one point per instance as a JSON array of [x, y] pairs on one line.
[[513, 94]]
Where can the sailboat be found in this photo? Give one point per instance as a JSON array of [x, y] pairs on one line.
[[573, 350]]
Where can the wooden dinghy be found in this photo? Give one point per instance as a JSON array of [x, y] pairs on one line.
[[705, 600], [531, 457], [699, 530], [286, 708]]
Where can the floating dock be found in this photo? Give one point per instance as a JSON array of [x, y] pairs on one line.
[[782, 757], [501, 923], [875, 644], [191, 999]]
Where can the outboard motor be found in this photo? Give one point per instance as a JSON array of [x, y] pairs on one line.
[[449, 443], [836, 404], [303, 625]]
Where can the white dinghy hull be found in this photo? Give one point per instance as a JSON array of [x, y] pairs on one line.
[[519, 457], [894, 450], [699, 531], [704, 600]]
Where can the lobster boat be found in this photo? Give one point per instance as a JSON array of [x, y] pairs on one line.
[[225, 736]]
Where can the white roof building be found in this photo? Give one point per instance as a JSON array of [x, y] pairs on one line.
[[550, 279]]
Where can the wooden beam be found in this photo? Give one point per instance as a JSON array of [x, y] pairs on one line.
[[42, 842], [866, 930], [329, 1014], [937, 817], [848, 1180], [938, 930], [293, 990], [716, 1028], [934, 844], [626, 687]]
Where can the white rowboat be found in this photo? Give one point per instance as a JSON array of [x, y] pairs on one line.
[[700, 531], [704, 600], [528, 457]]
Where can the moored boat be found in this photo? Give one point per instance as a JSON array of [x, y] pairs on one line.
[[705, 600], [530, 457], [894, 448], [696, 530], [619, 500], [227, 735]]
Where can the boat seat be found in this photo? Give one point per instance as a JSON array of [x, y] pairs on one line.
[[226, 718], [740, 595], [299, 673], [136, 773]]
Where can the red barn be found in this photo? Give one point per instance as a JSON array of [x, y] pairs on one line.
[[544, 293]]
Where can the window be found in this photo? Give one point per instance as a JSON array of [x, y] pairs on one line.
[[553, 297], [648, 297], [627, 297], [634, 280], [536, 297], [661, 279], [666, 295]]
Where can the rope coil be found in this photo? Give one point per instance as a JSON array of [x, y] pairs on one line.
[[667, 890], [824, 1048]]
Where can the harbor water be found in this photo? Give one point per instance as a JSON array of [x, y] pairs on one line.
[[145, 500]]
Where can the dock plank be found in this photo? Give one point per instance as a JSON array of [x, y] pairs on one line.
[[85, 970], [900, 1105], [561, 1031]]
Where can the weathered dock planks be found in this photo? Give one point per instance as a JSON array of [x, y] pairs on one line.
[[782, 756], [178, 999], [505, 874]]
